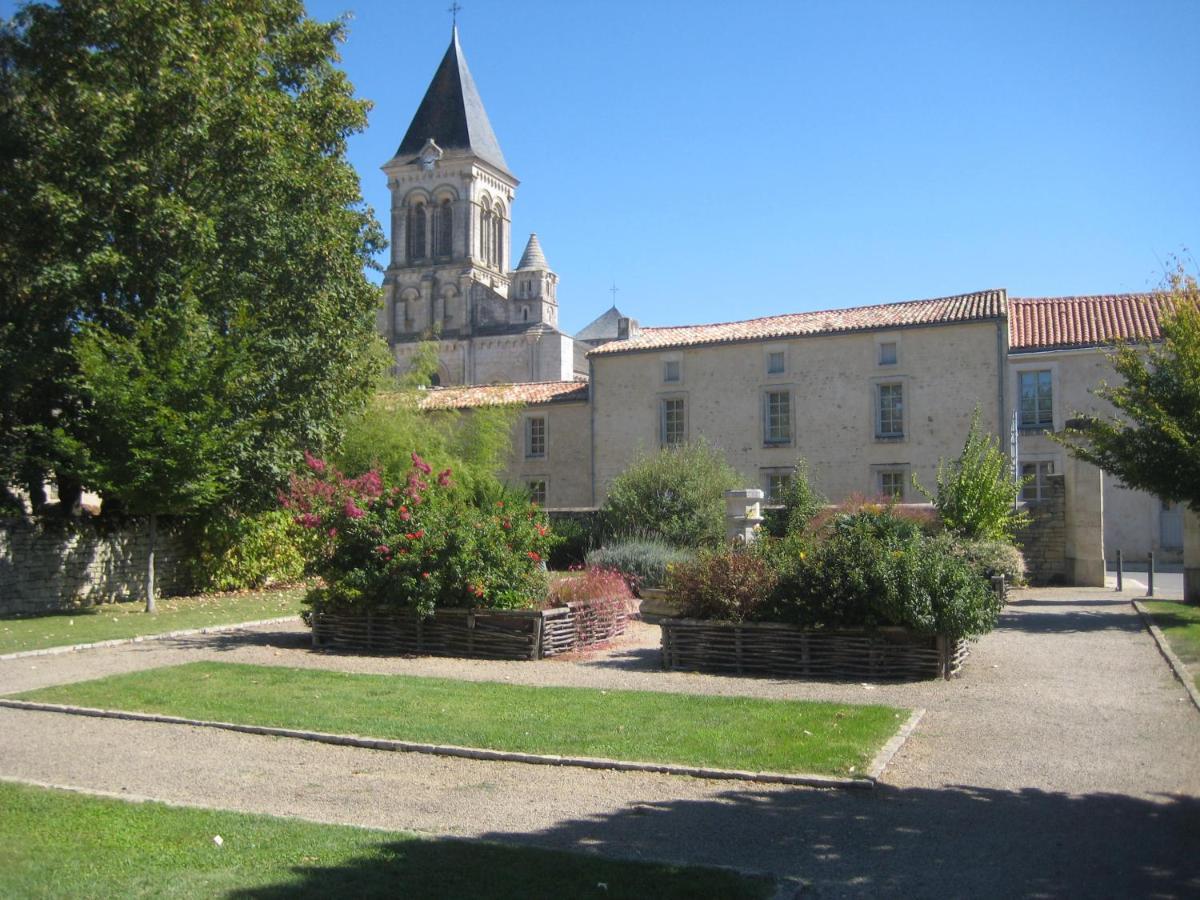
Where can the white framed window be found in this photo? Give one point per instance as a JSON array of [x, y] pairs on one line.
[[672, 371], [891, 482], [537, 490], [776, 362], [672, 421], [1035, 392], [535, 437], [889, 353], [1037, 488], [777, 417], [775, 483], [889, 411]]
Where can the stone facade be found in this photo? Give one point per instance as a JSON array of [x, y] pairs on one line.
[[54, 565], [1043, 541]]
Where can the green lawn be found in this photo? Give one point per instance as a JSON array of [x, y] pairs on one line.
[[1181, 624], [728, 732], [125, 620], [58, 844]]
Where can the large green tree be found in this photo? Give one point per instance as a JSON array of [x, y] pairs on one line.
[[178, 208], [1153, 441]]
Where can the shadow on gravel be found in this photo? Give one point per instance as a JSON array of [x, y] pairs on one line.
[[1033, 603], [1034, 621], [954, 842], [233, 640], [639, 659]]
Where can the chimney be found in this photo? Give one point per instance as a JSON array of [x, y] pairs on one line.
[[626, 328]]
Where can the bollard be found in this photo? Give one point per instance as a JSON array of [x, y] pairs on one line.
[[1150, 576], [1120, 571]]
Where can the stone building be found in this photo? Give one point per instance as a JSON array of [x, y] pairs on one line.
[[869, 397]]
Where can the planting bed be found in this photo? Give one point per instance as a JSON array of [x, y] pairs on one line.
[[474, 633], [768, 648]]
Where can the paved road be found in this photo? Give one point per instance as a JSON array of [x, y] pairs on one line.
[[1065, 762]]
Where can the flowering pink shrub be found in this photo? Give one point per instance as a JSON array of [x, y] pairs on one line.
[[591, 584], [419, 545]]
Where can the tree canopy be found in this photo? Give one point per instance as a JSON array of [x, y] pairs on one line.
[[1153, 441], [182, 288]]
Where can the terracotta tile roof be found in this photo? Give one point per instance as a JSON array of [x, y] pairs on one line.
[[962, 308], [531, 392], [1059, 323]]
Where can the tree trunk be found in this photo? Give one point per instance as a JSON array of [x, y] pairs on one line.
[[150, 608]]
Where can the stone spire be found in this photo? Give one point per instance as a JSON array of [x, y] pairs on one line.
[[533, 257], [452, 113]]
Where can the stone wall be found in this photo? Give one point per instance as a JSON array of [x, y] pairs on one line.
[[1044, 540], [53, 565]]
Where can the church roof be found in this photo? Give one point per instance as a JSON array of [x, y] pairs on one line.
[[529, 392], [452, 113], [533, 257], [602, 328], [978, 306], [1060, 323]]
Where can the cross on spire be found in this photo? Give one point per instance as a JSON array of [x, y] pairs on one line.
[[613, 290], [453, 10]]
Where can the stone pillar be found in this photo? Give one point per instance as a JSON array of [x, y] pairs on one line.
[[743, 514], [1191, 556], [1085, 523]]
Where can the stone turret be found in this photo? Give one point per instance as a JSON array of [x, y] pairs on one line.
[[534, 294]]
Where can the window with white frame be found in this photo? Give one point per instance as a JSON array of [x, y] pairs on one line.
[[1037, 488], [535, 437], [889, 411], [537, 491], [672, 421], [1036, 392], [888, 355], [777, 417], [890, 483], [775, 484], [776, 362], [671, 371]]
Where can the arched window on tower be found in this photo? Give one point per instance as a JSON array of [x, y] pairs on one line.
[[485, 232], [416, 231], [498, 237], [443, 229]]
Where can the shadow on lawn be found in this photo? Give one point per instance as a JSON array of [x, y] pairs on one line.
[[952, 842]]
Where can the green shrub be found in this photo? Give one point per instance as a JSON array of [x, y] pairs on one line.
[[574, 540], [873, 569], [421, 545], [676, 495], [643, 561], [235, 552], [796, 506], [731, 585], [977, 493], [990, 558]]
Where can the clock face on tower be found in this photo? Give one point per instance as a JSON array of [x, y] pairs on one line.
[[429, 155]]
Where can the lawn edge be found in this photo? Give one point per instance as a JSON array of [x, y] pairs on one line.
[[165, 635], [543, 759], [893, 744], [785, 885], [1164, 647]]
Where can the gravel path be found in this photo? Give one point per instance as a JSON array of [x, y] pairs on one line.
[[1065, 762]]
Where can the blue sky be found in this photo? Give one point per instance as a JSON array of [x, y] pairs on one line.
[[723, 161]]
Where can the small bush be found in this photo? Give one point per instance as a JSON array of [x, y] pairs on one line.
[[589, 585], [419, 546], [233, 552], [991, 558], [796, 506], [676, 495], [977, 493], [643, 561], [574, 540], [730, 585]]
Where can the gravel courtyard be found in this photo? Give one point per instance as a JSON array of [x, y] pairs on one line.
[[1065, 761]]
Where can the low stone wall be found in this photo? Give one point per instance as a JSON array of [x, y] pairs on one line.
[[1043, 541], [55, 564]]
